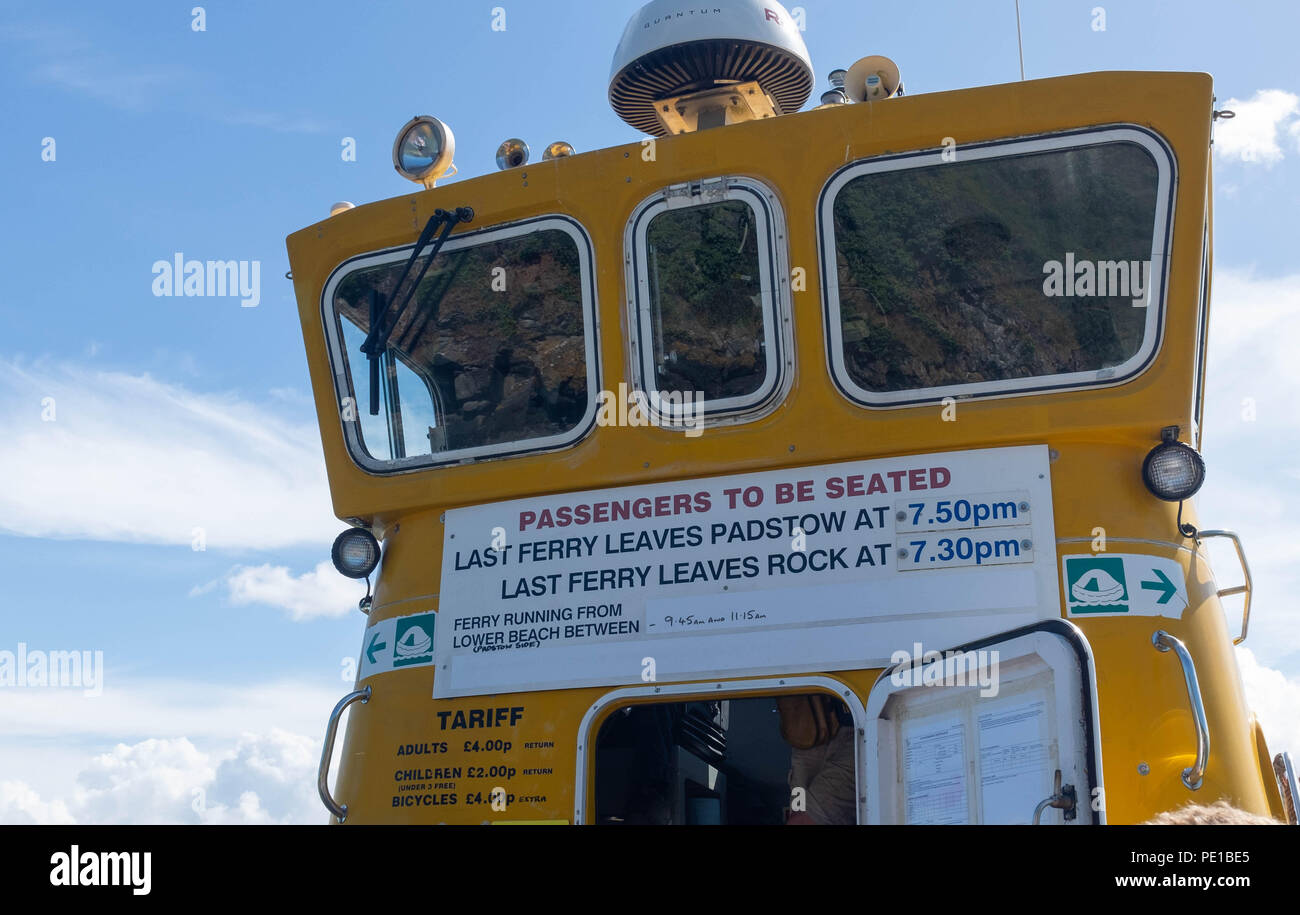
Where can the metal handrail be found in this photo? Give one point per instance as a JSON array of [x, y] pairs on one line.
[[323, 773], [1239, 589], [1194, 774]]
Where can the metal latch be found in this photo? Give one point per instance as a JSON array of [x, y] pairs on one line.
[[707, 190], [1063, 797]]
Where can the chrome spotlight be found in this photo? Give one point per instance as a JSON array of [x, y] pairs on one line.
[[558, 150], [423, 150], [512, 154]]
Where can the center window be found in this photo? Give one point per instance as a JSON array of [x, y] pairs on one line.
[[703, 267]]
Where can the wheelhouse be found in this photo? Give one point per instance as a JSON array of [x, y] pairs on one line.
[[849, 403]]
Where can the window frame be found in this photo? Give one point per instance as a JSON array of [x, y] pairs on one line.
[[1161, 243], [1202, 334], [769, 221], [339, 362]]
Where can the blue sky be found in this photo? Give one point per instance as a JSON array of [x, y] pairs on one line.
[[177, 413]]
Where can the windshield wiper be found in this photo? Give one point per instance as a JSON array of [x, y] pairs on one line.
[[381, 326]]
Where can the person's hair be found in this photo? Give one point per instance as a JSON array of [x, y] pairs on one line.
[[1220, 813]]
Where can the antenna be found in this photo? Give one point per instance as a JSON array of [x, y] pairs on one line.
[[1020, 44], [735, 60]]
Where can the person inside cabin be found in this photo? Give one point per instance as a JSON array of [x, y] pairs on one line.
[[823, 783]]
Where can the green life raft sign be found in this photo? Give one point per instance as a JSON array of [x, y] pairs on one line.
[[1130, 584]]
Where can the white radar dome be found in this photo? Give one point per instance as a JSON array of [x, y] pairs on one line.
[[671, 48]]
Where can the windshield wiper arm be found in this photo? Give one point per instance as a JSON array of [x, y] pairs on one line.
[[377, 339]]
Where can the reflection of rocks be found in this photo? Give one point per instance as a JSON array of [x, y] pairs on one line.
[[467, 386], [515, 385], [855, 329], [507, 365], [704, 267], [722, 360], [517, 390], [1005, 334], [561, 357], [940, 270]]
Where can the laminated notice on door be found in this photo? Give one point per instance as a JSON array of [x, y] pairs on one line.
[[1015, 757], [934, 772]]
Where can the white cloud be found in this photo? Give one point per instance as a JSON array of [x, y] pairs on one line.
[[320, 592], [1252, 452], [205, 588], [67, 59], [1275, 699], [1252, 136], [131, 458], [274, 777], [165, 751], [103, 79], [130, 708], [20, 804], [263, 778]]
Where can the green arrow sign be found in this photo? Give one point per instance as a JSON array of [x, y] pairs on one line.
[[372, 647], [1164, 585]]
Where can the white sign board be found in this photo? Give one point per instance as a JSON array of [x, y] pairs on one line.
[[822, 568]]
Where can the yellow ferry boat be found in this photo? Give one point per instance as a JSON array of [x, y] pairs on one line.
[[823, 466]]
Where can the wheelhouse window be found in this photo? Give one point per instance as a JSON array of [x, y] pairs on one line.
[[706, 321], [1015, 267], [751, 761], [494, 352]]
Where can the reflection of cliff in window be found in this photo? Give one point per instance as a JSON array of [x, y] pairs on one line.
[[706, 306], [490, 350], [941, 267]]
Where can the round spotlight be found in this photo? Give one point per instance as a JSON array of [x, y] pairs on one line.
[[355, 552], [342, 207], [423, 150], [512, 154], [558, 150], [1173, 471]]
